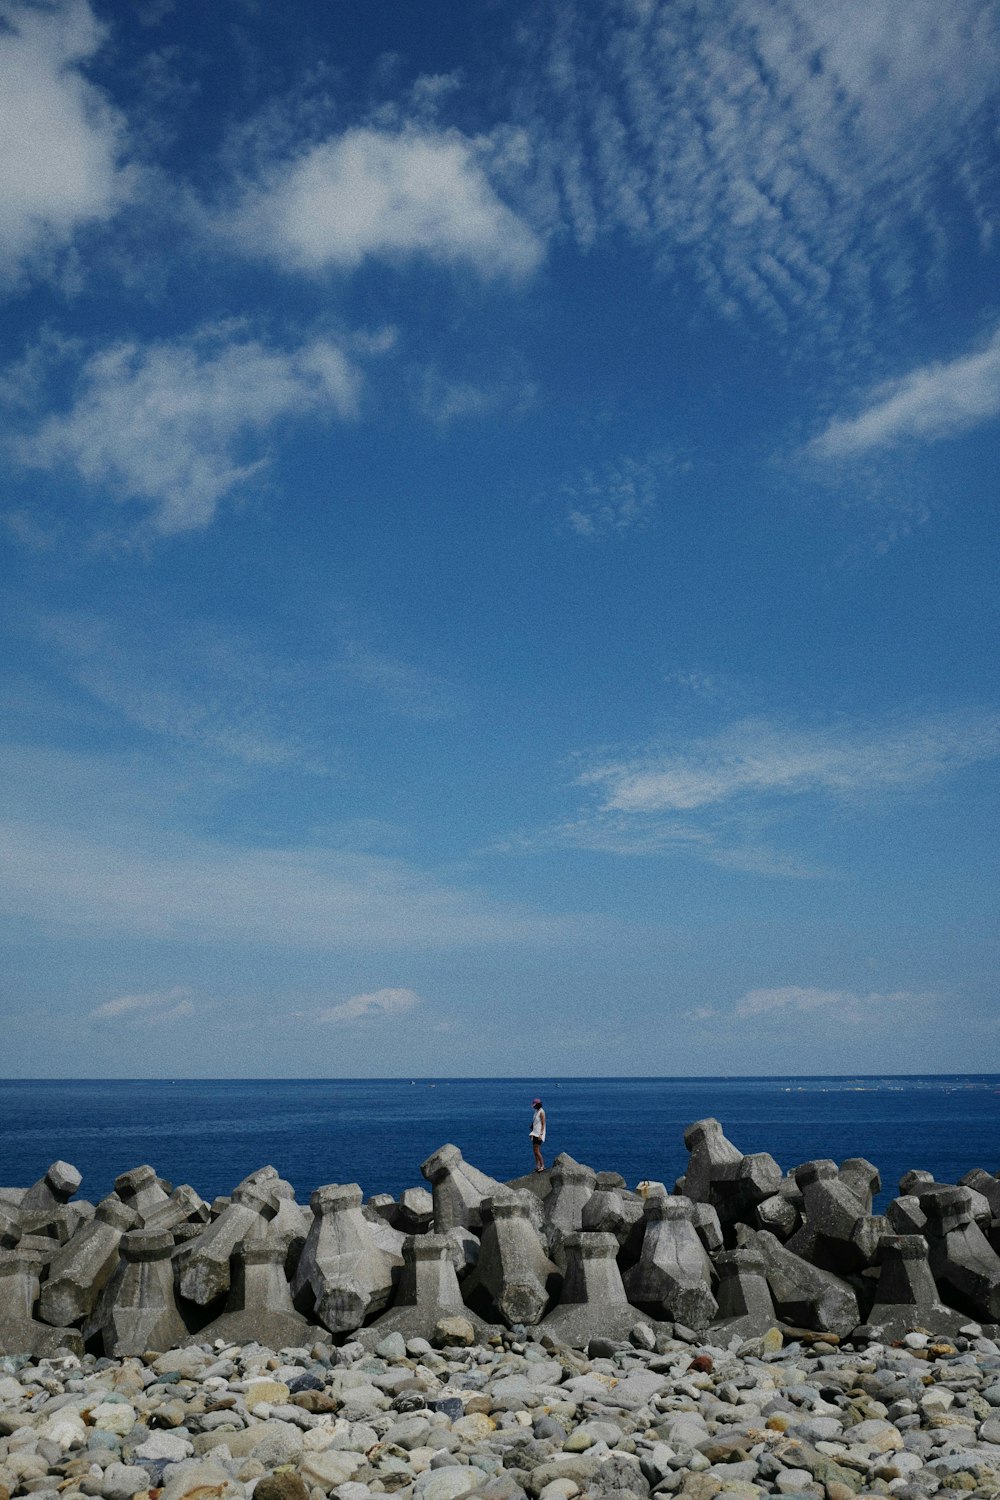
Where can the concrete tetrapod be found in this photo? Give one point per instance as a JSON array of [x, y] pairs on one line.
[[428, 1291], [56, 1188], [922, 1185], [20, 1270], [572, 1185], [673, 1276], [204, 1263], [906, 1297], [611, 1211], [183, 1206], [712, 1157], [458, 1189], [745, 1306], [838, 1234], [259, 1306], [963, 1263], [140, 1189], [905, 1215], [778, 1216], [986, 1184], [84, 1266], [343, 1274], [513, 1273], [803, 1295], [137, 1309], [863, 1178], [593, 1304]]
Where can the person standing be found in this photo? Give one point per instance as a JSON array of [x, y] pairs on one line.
[[538, 1133]]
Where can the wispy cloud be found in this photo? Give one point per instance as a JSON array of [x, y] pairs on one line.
[[618, 497], [61, 164], [781, 150], [389, 1002], [934, 401], [177, 426], [154, 1009], [714, 798], [406, 689], [756, 758], [847, 1005], [154, 882], [383, 194], [227, 692]]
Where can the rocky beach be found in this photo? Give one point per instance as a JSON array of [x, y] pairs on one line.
[[752, 1332]]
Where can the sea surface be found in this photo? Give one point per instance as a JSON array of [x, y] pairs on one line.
[[212, 1132]]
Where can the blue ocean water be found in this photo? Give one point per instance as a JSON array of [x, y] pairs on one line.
[[212, 1132]]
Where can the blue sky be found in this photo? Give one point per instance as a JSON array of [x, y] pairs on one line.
[[499, 529]]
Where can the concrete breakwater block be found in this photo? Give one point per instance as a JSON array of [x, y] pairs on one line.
[[571, 1254]]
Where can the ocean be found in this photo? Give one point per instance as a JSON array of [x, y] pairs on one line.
[[212, 1132]]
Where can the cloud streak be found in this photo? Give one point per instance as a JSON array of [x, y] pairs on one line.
[[847, 1005], [756, 758], [936, 401], [157, 1008], [713, 797]]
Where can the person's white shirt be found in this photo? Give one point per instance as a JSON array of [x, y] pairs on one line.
[[538, 1124]]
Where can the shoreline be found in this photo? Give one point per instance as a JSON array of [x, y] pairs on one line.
[[520, 1416]]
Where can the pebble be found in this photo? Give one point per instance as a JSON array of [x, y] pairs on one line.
[[519, 1419]]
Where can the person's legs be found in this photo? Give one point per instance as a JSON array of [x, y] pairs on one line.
[[536, 1146]]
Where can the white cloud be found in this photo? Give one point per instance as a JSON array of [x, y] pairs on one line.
[[62, 141], [716, 798], [756, 758], [386, 195], [784, 151], [376, 1003], [934, 401], [152, 1009], [846, 1004], [177, 425]]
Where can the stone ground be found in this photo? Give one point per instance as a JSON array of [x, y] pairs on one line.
[[778, 1415]]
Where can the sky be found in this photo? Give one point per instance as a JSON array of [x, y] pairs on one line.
[[499, 539]]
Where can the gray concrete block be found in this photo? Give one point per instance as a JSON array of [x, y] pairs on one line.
[[140, 1189], [20, 1274], [962, 1261], [838, 1234], [458, 1189], [343, 1275], [593, 1303], [82, 1268], [673, 1276], [572, 1185], [60, 1182], [203, 1264], [745, 1306], [906, 1297], [137, 1309], [804, 1295], [427, 1292], [514, 1277], [259, 1305]]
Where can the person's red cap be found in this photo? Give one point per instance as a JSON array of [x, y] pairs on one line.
[[535, 1103]]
